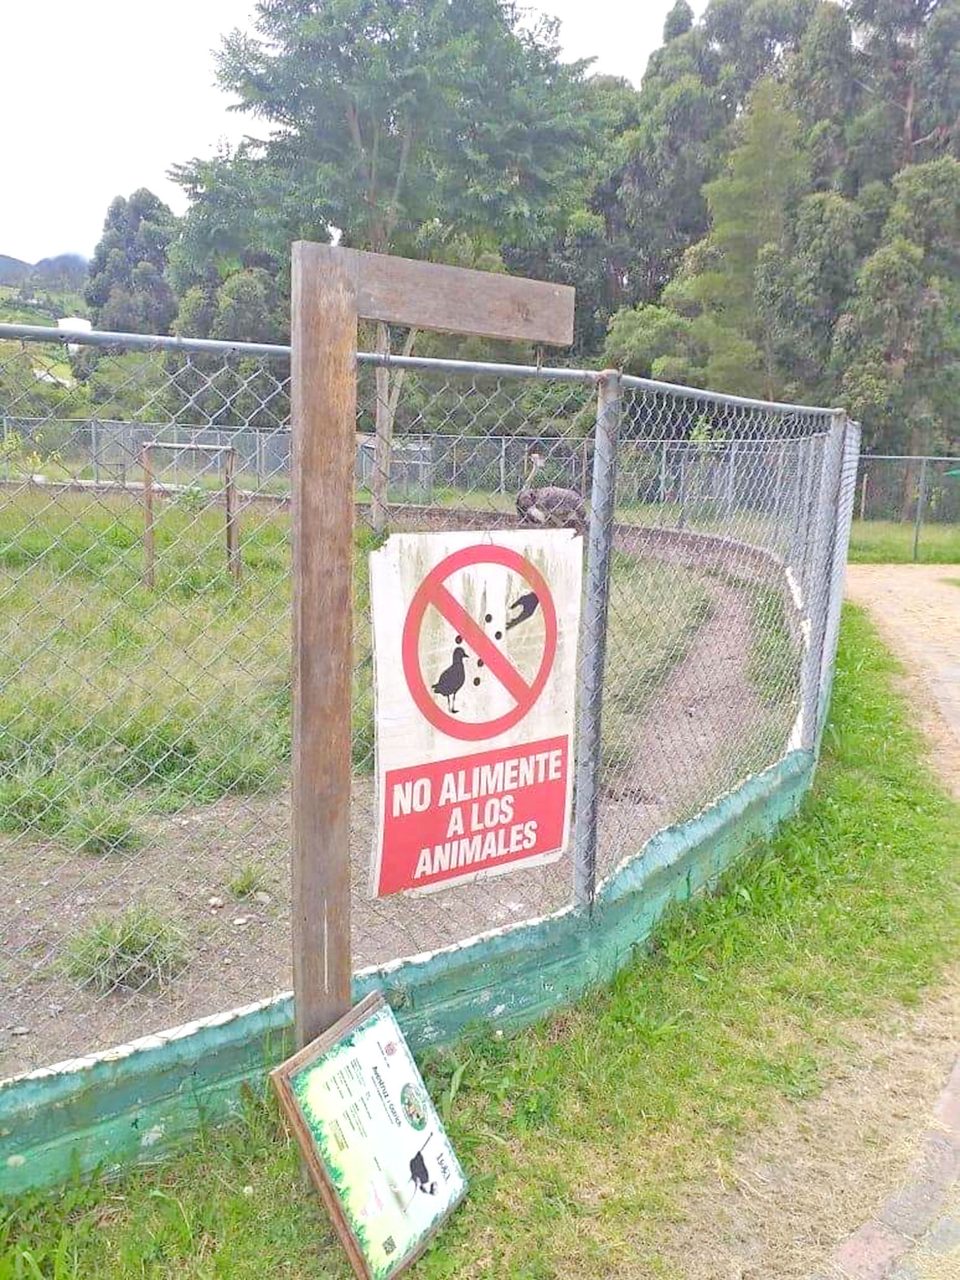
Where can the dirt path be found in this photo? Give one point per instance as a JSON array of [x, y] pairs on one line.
[[917, 609], [792, 1198]]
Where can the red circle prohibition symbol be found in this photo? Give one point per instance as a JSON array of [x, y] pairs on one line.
[[433, 591]]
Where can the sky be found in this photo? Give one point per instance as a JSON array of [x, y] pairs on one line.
[[115, 91]]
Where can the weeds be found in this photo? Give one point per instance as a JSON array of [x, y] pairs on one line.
[[134, 951], [247, 881]]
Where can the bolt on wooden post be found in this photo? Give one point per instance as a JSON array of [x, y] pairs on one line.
[[333, 289]]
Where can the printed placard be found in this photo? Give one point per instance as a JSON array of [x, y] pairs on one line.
[[372, 1139], [475, 649]]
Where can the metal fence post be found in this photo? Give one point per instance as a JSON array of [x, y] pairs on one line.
[[843, 518], [731, 477], [817, 578], [594, 637], [921, 501]]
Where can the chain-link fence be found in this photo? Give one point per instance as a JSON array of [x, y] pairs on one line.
[[910, 504], [145, 686]]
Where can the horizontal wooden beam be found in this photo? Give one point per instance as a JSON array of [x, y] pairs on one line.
[[429, 295]]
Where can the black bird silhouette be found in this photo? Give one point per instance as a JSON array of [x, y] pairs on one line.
[[527, 605], [452, 680]]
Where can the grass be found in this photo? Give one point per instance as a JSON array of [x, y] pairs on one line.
[[581, 1134], [249, 880], [890, 542], [671, 604], [134, 951], [117, 703]]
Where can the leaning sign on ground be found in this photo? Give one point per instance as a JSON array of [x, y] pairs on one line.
[[371, 1138], [475, 650]]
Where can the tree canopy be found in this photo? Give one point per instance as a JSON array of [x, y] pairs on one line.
[[126, 286], [772, 210], [827, 265]]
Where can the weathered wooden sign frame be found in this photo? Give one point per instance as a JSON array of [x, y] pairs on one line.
[[283, 1079], [333, 289]]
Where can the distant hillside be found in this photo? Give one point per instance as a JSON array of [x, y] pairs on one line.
[[12, 270], [66, 271]]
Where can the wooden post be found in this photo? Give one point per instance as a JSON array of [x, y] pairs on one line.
[[230, 501], [149, 578], [324, 398], [332, 289]]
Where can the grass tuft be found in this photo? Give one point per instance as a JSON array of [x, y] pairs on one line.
[[891, 542], [135, 951], [247, 881]]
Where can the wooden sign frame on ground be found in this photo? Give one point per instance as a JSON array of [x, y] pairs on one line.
[[282, 1079], [334, 288]]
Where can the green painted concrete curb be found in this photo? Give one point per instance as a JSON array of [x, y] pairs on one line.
[[133, 1103]]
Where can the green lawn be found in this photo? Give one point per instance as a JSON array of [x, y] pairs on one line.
[[117, 702], [889, 542], [581, 1134]]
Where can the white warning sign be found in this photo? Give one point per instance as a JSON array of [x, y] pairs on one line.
[[475, 650]]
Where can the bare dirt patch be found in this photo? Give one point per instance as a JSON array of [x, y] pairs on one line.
[[818, 1169]]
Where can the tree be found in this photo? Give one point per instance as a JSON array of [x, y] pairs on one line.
[[126, 288], [724, 343], [642, 340], [401, 116], [409, 111], [248, 308], [897, 347], [803, 283], [592, 248], [678, 21]]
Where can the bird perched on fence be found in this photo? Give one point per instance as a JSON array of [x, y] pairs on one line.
[[451, 681], [550, 506]]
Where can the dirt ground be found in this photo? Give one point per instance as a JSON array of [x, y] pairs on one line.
[[680, 757], [917, 609], [798, 1188]]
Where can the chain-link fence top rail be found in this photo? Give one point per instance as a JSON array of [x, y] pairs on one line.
[[145, 731]]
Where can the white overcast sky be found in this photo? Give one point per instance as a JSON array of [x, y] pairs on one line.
[[102, 96]]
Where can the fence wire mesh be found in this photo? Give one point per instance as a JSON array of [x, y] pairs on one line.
[[145, 729], [908, 506]]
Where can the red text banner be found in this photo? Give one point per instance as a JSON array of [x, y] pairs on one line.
[[450, 819]]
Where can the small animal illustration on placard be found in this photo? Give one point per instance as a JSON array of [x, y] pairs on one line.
[[421, 1174], [451, 681]]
